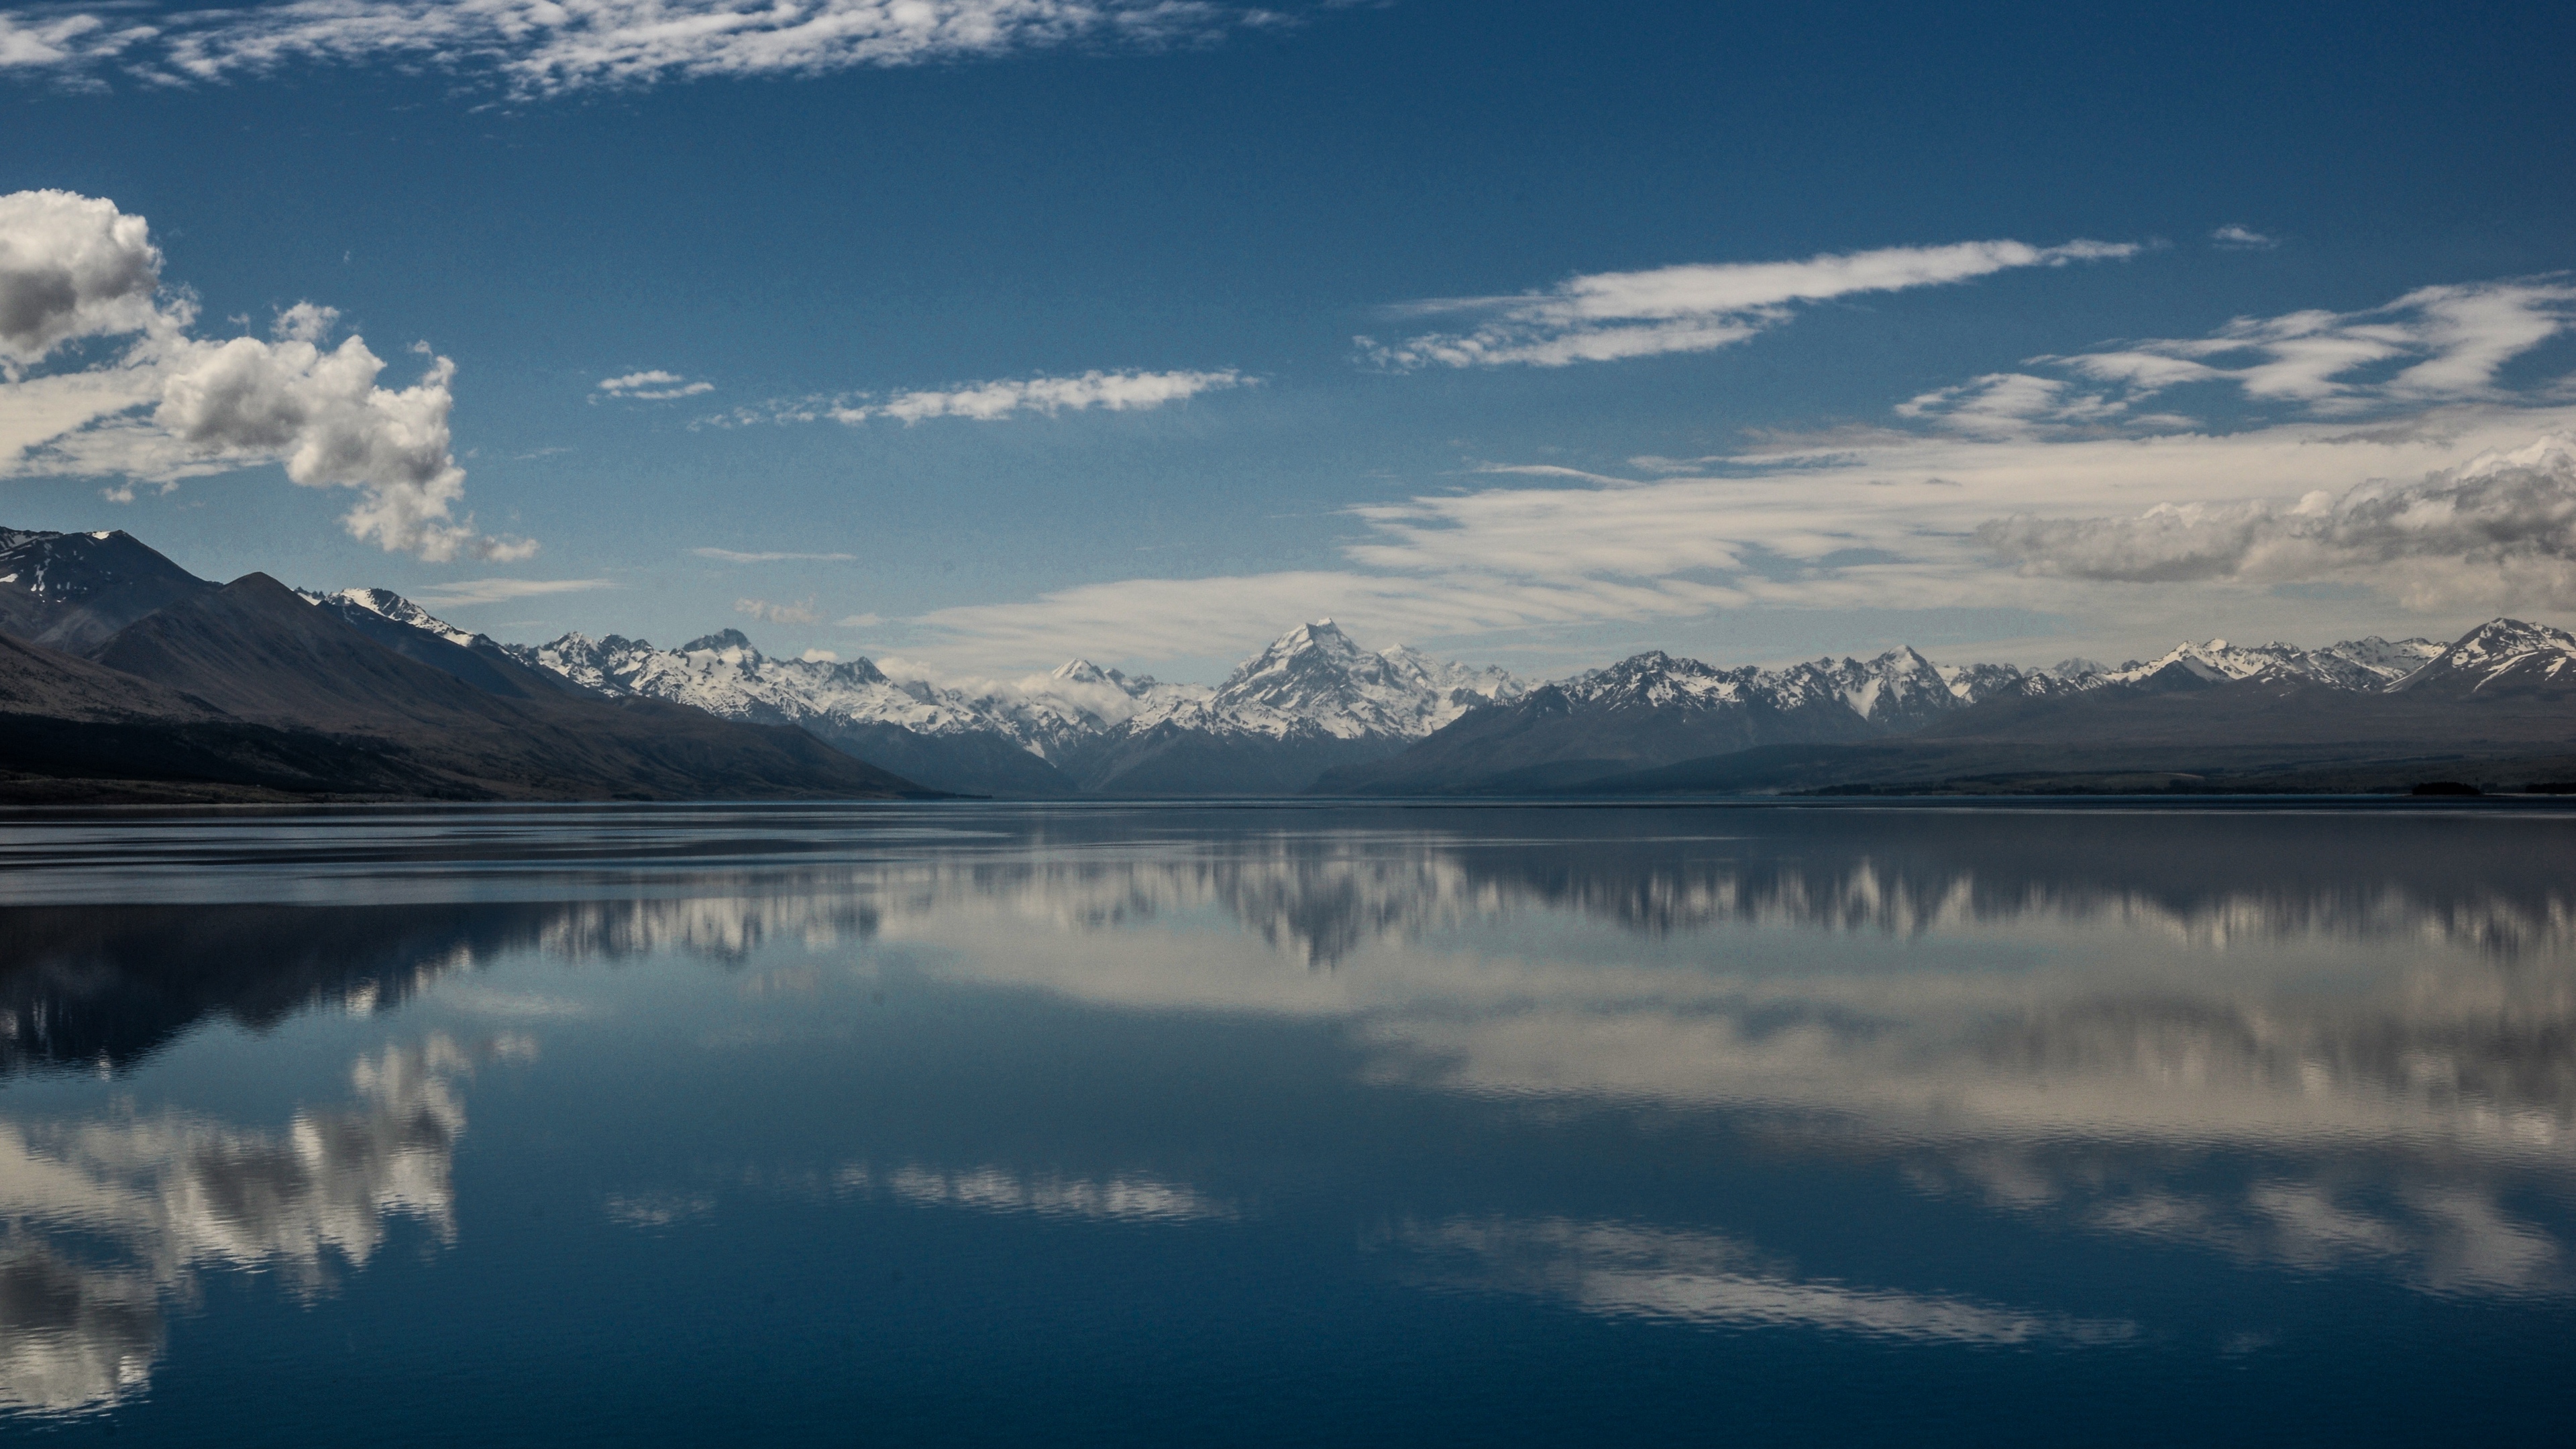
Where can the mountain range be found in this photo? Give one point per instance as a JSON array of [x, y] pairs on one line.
[[115, 664], [124, 678]]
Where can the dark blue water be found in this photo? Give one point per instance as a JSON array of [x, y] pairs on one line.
[[974, 1124]]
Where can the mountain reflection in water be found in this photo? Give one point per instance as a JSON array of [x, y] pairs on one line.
[[2314, 1043]]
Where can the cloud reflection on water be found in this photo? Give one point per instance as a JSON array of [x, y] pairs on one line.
[[110, 1217], [2149, 1029], [1623, 1270]]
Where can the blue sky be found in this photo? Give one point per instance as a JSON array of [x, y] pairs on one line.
[[1526, 333]]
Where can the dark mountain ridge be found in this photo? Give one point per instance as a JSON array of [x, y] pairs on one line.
[[249, 690]]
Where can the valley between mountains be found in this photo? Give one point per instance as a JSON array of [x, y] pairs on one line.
[[124, 677]]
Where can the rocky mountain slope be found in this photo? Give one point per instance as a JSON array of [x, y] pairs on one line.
[[250, 690], [71, 590]]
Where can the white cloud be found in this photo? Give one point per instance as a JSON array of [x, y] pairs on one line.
[[1878, 520], [74, 267], [654, 385], [991, 401], [2502, 527], [859, 621], [1611, 315], [2234, 238], [726, 555], [778, 613], [2009, 405], [2435, 344], [550, 47], [305, 322], [820, 656], [467, 592], [37, 42]]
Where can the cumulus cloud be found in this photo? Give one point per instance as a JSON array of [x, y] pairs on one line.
[[2503, 526], [1611, 315], [803, 613], [172, 405], [321, 413], [2234, 238], [653, 386], [73, 267], [551, 47]]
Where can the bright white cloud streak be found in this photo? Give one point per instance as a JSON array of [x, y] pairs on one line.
[[726, 555], [549, 47], [1612, 315], [1115, 392], [1107, 391], [169, 405], [654, 385], [2435, 344], [465, 593]]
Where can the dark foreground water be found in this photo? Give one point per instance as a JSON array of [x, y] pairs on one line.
[[961, 1124]]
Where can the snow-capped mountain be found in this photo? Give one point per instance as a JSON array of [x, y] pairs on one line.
[[2498, 657], [1315, 680], [1653, 708], [1313, 700], [73, 590], [386, 604], [1314, 705], [2358, 664], [1080, 727]]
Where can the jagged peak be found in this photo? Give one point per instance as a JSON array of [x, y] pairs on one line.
[[2515, 633], [719, 642]]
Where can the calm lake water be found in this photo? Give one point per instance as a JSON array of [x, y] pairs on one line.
[[1153, 1125]]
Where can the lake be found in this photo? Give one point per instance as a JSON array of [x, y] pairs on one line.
[[964, 1123]]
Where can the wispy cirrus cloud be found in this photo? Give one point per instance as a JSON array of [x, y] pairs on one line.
[[537, 48], [2433, 346], [2235, 238], [1874, 522], [727, 555], [1101, 390], [1607, 316], [653, 385], [464, 593], [764, 610], [2398, 459]]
